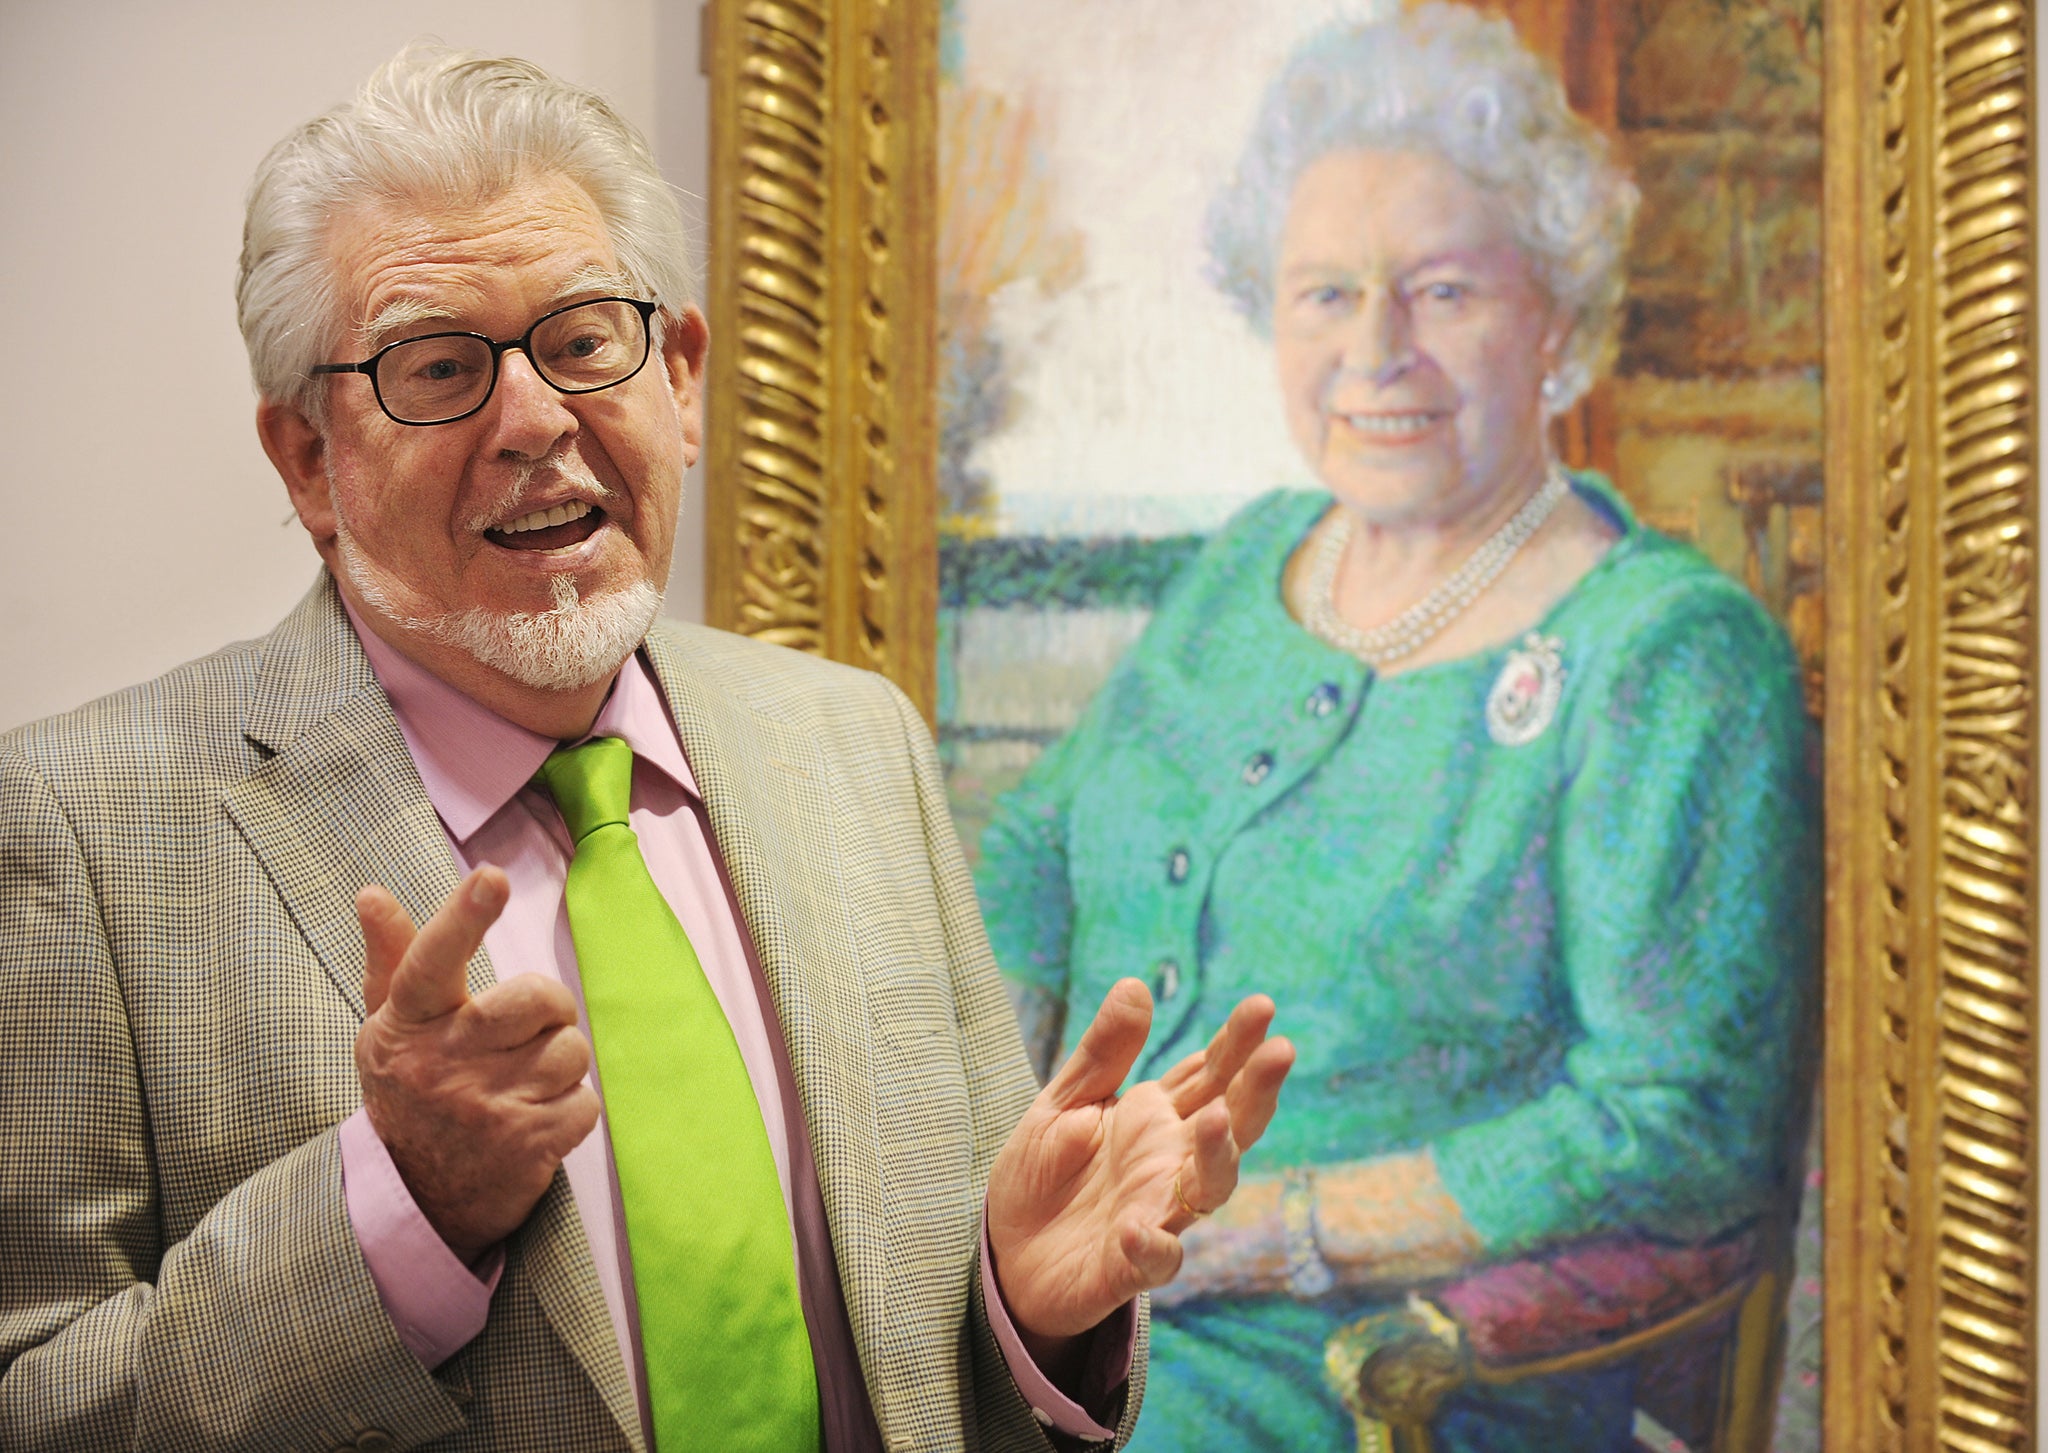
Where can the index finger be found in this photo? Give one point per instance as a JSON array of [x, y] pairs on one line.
[[433, 977]]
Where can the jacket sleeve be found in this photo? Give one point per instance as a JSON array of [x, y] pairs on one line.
[[260, 1329], [1686, 867], [1000, 1089]]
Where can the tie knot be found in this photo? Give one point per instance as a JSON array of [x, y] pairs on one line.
[[591, 784]]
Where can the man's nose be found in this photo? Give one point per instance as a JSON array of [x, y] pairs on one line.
[[532, 415]]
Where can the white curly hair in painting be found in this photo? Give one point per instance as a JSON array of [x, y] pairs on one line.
[[1450, 80], [437, 125]]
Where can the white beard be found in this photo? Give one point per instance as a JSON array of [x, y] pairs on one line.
[[575, 644]]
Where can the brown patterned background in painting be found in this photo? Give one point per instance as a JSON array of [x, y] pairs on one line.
[[1711, 419]]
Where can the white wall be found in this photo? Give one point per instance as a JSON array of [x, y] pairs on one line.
[[144, 520]]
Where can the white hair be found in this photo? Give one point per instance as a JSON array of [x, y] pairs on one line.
[[1449, 80], [440, 127]]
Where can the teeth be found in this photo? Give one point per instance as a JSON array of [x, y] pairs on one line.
[[542, 519], [1390, 423]]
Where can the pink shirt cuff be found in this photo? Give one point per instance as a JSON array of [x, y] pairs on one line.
[[1108, 1367], [436, 1303]]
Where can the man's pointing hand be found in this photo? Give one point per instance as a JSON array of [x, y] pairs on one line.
[[477, 1099]]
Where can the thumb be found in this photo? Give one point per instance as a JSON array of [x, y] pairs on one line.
[[1154, 1255], [1108, 1049]]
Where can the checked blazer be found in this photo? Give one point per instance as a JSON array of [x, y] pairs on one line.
[[180, 988]]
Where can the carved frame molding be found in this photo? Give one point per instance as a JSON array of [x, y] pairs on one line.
[[822, 536], [823, 431], [1932, 1273]]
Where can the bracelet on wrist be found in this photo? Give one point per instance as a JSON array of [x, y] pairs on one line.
[[1308, 1275]]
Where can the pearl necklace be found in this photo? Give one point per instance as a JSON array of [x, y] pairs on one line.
[[1423, 621]]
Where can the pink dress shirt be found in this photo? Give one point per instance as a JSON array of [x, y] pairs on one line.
[[477, 768]]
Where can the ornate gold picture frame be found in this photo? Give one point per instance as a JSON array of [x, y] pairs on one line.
[[822, 530]]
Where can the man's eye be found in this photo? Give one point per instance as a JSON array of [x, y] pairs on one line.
[[424, 365], [1444, 292], [586, 354]]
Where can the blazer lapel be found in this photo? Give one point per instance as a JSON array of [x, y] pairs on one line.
[[765, 783], [339, 804]]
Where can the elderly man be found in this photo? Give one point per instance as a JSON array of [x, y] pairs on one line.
[[281, 1170]]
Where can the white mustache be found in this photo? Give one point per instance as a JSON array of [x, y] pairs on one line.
[[548, 470]]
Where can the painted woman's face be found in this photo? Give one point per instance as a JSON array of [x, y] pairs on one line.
[[1411, 337]]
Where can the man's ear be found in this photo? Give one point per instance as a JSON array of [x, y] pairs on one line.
[[298, 451], [685, 343]]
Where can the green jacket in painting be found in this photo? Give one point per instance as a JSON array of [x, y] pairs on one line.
[[1577, 967]]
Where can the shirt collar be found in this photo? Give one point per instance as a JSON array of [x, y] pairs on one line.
[[472, 761]]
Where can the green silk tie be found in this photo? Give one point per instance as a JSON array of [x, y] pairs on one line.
[[721, 1325]]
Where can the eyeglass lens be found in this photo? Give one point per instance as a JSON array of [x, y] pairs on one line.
[[579, 349]]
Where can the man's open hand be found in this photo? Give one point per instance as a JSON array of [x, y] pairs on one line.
[[476, 1099], [1082, 1211]]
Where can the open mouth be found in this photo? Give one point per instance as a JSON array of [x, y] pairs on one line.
[[556, 528]]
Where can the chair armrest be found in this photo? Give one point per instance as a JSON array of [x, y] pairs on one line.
[[1581, 1307], [1590, 1295]]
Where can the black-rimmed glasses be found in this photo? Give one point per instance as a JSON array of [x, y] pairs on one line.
[[442, 377]]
